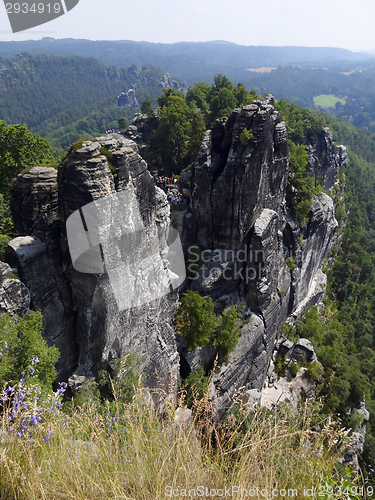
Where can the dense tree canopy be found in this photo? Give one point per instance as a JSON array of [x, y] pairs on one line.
[[19, 149]]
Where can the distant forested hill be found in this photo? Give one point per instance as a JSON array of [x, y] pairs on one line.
[[301, 73], [126, 52], [49, 92]]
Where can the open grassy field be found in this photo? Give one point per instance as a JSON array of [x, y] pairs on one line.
[[327, 100]]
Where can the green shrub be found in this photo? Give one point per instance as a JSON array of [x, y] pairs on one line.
[[109, 390], [280, 366], [4, 240], [198, 324], [301, 186], [245, 136], [24, 351], [227, 332], [109, 155], [291, 263], [355, 420], [195, 385], [293, 369], [79, 143], [314, 371], [196, 320]]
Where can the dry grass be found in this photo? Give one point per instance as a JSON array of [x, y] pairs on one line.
[[136, 454]]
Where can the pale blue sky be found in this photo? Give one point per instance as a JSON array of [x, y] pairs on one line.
[[320, 23]]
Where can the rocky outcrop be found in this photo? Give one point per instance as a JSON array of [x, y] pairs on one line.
[[355, 443], [325, 160], [237, 217], [14, 296], [309, 283], [168, 83], [234, 212], [79, 308], [127, 100], [141, 128]]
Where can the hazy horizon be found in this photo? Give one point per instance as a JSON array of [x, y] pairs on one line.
[[334, 24]]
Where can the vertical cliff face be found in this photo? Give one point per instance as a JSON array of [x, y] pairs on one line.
[[325, 160], [231, 183], [94, 332], [237, 216]]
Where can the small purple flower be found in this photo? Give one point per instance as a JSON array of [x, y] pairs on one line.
[[22, 380], [63, 424], [113, 419], [19, 434], [372, 470], [5, 346]]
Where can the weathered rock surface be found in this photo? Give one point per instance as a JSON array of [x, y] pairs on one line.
[[80, 310], [237, 215], [324, 160], [49, 293], [168, 83], [309, 282], [141, 128], [234, 209], [127, 100], [14, 296], [356, 440]]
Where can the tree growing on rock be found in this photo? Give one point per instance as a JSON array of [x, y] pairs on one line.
[[170, 140], [198, 324], [196, 320], [146, 107], [19, 149]]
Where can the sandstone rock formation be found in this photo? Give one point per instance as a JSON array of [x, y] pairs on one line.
[[237, 217], [168, 83], [236, 213], [80, 311], [14, 296], [127, 100], [324, 160]]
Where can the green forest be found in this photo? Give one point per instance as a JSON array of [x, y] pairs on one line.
[[65, 98]]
